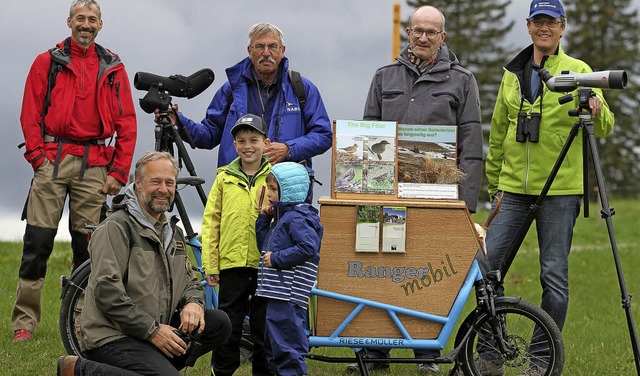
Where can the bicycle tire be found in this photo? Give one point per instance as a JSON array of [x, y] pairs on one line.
[[522, 320], [71, 305]]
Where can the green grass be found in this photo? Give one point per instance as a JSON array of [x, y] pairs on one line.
[[596, 334]]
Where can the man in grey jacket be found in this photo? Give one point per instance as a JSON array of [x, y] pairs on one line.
[[428, 86], [144, 310]]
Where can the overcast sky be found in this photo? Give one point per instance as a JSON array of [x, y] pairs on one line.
[[337, 44]]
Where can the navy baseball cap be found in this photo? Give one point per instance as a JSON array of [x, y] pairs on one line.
[[252, 121], [552, 8]]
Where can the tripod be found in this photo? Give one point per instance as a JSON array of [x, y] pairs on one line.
[[585, 124], [167, 135]]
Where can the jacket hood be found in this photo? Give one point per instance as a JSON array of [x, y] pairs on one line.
[[129, 201], [235, 168], [293, 180]]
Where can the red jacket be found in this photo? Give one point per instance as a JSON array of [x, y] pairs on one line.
[[115, 110]]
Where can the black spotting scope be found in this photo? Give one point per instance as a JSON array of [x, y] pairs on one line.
[[176, 85]]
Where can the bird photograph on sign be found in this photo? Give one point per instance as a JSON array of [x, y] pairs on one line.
[[364, 157]]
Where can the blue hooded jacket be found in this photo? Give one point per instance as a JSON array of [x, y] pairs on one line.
[[293, 234], [307, 133]]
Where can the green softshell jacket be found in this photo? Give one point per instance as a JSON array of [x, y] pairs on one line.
[[523, 167]]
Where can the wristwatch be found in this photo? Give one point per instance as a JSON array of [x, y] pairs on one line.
[[288, 157]]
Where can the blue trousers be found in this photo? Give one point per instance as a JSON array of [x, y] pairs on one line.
[[554, 225], [286, 338]]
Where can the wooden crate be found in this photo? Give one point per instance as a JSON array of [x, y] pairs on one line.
[[439, 236]]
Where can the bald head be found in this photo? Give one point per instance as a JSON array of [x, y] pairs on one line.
[[428, 12], [426, 32]]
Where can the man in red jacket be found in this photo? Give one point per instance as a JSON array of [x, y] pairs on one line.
[[67, 129]]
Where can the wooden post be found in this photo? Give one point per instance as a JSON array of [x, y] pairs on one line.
[[395, 45]]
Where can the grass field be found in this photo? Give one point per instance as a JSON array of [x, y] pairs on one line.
[[596, 334]]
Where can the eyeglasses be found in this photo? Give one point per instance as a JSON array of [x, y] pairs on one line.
[[430, 34], [273, 47], [551, 24]]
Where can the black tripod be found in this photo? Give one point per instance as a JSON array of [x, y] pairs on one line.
[[167, 135], [589, 148]]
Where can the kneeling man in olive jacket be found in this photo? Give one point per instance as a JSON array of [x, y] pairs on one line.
[[144, 310]]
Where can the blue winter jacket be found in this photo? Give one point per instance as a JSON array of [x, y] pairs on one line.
[[307, 134], [293, 234]]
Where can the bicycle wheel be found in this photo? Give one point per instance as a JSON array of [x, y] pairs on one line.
[[71, 308], [533, 343]]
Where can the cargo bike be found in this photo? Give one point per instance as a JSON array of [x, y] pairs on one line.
[[380, 300]]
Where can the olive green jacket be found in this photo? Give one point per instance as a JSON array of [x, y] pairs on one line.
[[138, 279]]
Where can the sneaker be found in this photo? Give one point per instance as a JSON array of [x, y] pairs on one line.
[[21, 335], [67, 365], [429, 368], [354, 368]]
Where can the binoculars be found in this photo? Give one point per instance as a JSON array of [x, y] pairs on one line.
[[528, 126], [194, 346]]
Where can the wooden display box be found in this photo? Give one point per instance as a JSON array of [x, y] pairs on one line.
[[441, 243]]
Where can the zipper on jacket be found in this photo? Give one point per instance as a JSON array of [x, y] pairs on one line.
[[118, 98], [272, 227], [527, 142], [117, 87], [82, 69]]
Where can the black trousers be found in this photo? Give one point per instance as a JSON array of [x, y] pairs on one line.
[[130, 356], [237, 299]]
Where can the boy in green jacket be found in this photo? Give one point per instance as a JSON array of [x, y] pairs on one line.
[[229, 249]]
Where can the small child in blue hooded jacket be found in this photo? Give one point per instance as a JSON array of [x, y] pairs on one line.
[[289, 235]]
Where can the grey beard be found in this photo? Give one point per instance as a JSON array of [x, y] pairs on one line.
[[155, 208]]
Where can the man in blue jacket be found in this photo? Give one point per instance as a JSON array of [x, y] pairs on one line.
[[260, 84]]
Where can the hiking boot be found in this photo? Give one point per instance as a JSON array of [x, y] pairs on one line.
[[353, 367], [429, 368], [533, 371], [485, 367], [488, 367], [21, 335], [67, 365]]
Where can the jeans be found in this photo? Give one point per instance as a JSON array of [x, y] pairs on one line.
[[554, 223], [132, 356]]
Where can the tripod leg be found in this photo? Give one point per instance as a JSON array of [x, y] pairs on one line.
[[518, 238], [184, 155], [606, 213]]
